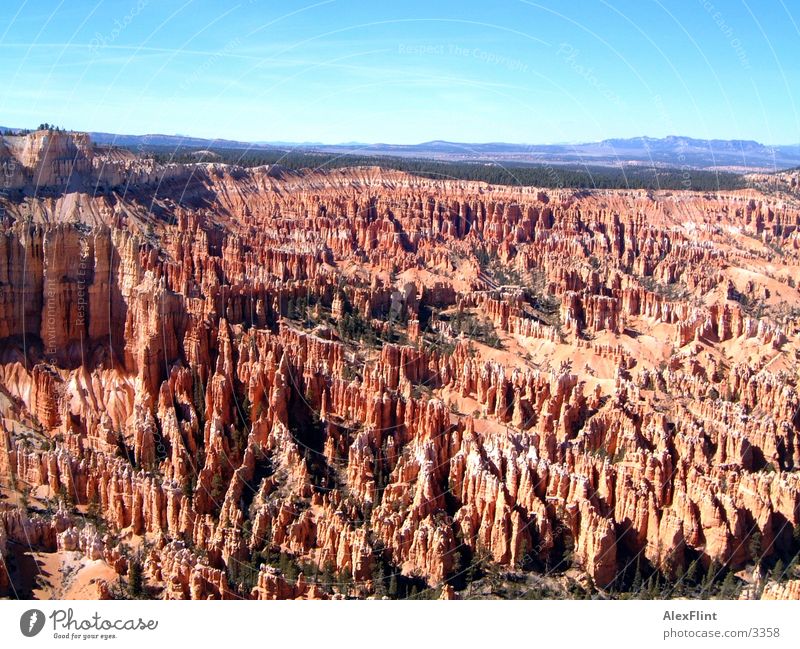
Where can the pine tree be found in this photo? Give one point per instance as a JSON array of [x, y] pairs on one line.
[[711, 576], [691, 572], [379, 579], [755, 546], [655, 586], [778, 571], [636, 586], [199, 397], [345, 581], [327, 575], [677, 587], [135, 579], [793, 565], [729, 587], [217, 488]]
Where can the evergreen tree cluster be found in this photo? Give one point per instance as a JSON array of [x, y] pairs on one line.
[[515, 174]]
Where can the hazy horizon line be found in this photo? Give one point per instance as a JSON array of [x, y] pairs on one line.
[[262, 142]]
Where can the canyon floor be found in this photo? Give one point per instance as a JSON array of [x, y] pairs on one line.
[[257, 383]]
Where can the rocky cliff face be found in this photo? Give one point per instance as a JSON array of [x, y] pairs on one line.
[[359, 382]]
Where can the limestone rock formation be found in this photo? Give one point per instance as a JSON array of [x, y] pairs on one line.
[[357, 382]]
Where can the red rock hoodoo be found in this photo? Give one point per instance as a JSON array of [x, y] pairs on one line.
[[257, 383]]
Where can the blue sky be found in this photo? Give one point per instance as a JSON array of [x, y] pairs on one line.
[[406, 72]]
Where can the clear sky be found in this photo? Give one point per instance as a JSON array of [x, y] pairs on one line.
[[405, 72]]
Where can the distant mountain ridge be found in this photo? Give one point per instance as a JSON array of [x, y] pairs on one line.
[[674, 151], [670, 151]]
